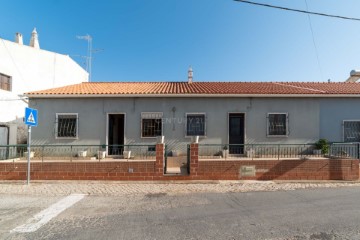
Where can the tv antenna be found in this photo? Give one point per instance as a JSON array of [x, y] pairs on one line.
[[88, 58]]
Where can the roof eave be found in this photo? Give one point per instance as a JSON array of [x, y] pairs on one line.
[[187, 95]]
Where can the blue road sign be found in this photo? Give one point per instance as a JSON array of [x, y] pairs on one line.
[[31, 117]]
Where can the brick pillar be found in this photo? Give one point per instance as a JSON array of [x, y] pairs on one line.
[[159, 163], [194, 158]]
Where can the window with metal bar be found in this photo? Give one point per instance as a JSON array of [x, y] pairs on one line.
[[5, 82], [66, 125], [277, 124], [195, 124], [151, 124], [352, 131]]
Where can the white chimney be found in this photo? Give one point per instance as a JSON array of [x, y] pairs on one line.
[[354, 76], [19, 38], [190, 75], [34, 41]]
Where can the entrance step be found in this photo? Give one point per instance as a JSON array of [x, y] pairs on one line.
[[177, 171], [174, 162], [173, 170]]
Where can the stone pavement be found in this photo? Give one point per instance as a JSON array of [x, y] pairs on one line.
[[111, 188]]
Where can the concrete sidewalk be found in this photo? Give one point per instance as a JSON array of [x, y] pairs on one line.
[[116, 188]]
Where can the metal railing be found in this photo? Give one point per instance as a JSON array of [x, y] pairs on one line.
[[206, 151], [277, 151], [345, 150], [77, 152]]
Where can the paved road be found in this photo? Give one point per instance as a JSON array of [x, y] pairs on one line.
[[321, 213]]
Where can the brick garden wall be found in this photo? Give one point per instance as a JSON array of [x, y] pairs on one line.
[[322, 169], [79, 171], [312, 169]]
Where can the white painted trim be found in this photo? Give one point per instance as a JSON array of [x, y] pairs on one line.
[[228, 126], [77, 125], [343, 127], [107, 128], [162, 124], [287, 125], [196, 113], [192, 95]]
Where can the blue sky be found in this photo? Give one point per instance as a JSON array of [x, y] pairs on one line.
[[222, 40]]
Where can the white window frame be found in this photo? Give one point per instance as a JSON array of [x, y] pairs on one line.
[[343, 126], [141, 123], [57, 122], [195, 113], [268, 124]]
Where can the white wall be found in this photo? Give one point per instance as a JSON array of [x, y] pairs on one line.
[[11, 107], [32, 69], [36, 69]]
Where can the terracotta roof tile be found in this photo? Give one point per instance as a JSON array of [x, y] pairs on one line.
[[184, 88]]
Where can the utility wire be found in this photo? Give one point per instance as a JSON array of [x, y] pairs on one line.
[[313, 38], [297, 10]]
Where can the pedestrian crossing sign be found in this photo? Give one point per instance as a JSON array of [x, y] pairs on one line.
[[31, 117]]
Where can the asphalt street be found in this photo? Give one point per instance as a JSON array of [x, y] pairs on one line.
[[319, 213]]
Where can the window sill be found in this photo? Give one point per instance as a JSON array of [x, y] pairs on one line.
[[60, 138], [195, 136], [277, 136]]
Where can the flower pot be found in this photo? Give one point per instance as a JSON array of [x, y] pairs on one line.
[[102, 154], [31, 154], [250, 153], [127, 154], [82, 153], [225, 153]]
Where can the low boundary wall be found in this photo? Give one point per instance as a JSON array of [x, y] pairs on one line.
[[151, 170]]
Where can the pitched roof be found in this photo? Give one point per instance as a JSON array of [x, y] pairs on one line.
[[201, 88]]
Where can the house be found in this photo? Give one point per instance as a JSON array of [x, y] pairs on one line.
[[118, 113], [28, 68]]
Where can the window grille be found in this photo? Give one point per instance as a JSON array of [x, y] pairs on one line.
[[5, 82], [66, 125], [351, 131], [195, 125], [151, 124], [277, 124]]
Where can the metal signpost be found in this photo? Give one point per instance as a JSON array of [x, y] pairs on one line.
[[31, 117]]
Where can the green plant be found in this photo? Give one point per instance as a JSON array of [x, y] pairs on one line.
[[323, 145], [225, 147]]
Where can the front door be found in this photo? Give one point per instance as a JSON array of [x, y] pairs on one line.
[[236, 133], [116, 134]]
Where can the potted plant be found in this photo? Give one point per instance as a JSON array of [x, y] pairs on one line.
[[225, 151], [102, 152], [321, 147]]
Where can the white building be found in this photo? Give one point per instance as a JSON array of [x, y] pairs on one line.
[[25, 68]]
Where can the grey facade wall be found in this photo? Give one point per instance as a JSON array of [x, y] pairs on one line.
[[306, 123], [333, 112]]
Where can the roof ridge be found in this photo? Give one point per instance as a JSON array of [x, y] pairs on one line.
[[311, 89]]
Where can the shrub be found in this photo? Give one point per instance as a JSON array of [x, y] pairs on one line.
[[323, 145]]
